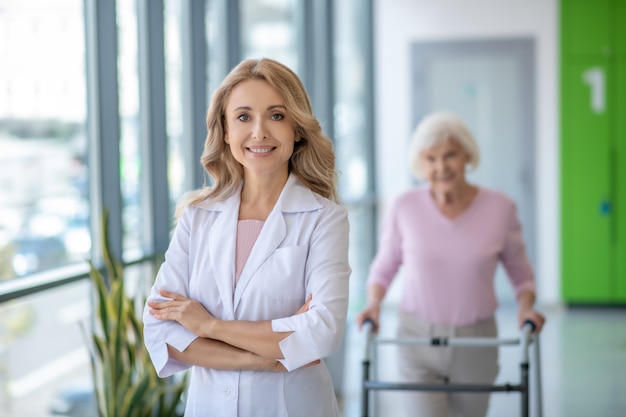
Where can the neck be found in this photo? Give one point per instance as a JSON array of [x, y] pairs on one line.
[[259, 196], [453, 203], [456, 197]]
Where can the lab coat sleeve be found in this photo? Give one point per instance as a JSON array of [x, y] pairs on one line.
[[172, 276], [318, 333]]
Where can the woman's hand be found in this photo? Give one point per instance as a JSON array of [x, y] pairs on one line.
[[371, 312], [526, 312], [375, 295], [530, 314], [189, 313]]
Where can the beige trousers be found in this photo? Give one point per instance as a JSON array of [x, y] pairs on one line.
[[436, 365]]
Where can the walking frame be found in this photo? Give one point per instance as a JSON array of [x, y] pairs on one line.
[[527, 338]]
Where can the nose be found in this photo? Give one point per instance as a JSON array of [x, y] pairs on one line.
[[440, 164], [258, 130]]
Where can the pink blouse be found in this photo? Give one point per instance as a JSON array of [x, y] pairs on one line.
[[449, 265], [247, 233]]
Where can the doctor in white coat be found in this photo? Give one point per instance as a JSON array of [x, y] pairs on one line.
[[253, 292]]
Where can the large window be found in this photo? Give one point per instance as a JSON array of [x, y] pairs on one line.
[[130, 144], [44, 358], [44, 206], [175, 99], [44, 181], [269, 30], [354, 138]]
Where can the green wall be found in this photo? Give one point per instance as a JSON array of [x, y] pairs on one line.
[[593, 151]]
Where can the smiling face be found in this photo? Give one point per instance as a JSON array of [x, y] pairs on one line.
[[259, 130], [443, 165]]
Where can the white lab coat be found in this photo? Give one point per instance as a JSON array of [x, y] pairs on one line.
[[302, 249]]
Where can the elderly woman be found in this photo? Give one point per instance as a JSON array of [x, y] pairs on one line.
[[449, 235]]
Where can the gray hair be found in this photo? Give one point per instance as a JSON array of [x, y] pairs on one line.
[[437, 128]]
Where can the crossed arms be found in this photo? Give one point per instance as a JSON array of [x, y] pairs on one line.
[[223, 344]]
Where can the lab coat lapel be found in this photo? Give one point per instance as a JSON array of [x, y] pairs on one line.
[[222, 251], [272, 234]]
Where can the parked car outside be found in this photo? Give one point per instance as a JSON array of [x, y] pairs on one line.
[[75, 401]]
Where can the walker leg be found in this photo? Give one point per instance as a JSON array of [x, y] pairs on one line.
[[538, 388], [364, 391], [524, 392]]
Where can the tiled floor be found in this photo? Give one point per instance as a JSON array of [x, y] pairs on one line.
[[582, 358]]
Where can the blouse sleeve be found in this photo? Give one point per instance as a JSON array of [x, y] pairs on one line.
[[173, 276], [318, 333], [514, 257], [388, 258]]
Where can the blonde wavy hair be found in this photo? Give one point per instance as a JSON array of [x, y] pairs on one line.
[[313, 158]]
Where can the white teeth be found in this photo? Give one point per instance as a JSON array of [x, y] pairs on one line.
[[259, 150]]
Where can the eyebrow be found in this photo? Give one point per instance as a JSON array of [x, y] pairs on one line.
[[272, 107]]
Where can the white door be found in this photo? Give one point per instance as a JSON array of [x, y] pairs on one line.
[[490, 85]]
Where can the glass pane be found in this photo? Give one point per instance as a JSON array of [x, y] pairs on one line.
[[130, 144], [215, 46], [354, 139], [44, 216], [44, 361], [174, 100], [269, 29]]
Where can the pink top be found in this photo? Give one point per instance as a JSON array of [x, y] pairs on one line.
[[449, 265], [247, 233]]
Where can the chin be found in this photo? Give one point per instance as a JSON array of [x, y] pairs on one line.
[[445, 186]]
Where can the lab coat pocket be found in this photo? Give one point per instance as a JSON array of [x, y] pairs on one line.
[[281, 276]]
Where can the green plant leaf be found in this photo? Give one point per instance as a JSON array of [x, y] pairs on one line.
[[137, 401], [124, 379], [101, 293]]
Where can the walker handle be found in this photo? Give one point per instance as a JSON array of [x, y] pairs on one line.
[[530, 324], [368, 325]]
